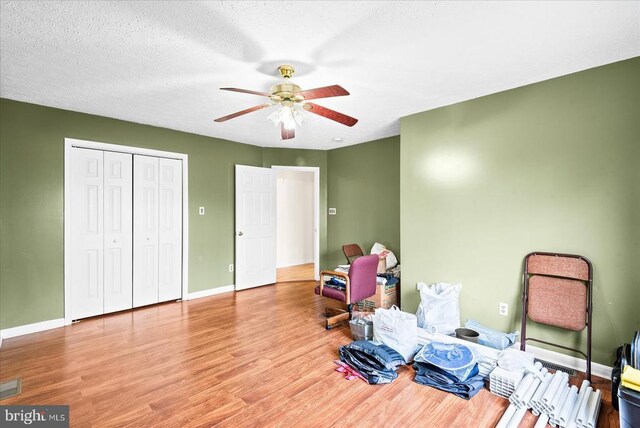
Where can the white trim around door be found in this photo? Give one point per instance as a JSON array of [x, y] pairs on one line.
[[316, 211], [69, 143]]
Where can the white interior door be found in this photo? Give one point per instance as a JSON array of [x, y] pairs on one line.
[[255, 226], [86, 233], [145, 230], [118, 238], [170, 229]]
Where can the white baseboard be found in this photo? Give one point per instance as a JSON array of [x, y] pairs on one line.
[[31, 328], [575, 363], [211, 292]]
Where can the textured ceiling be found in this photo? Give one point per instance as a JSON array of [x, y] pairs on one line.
[[161, 63]]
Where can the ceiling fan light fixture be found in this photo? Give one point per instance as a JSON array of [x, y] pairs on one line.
[[288, 116]]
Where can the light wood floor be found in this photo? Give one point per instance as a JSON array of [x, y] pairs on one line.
[[259, 357], [303, 272]]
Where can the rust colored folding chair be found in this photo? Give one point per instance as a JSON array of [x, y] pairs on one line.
[[352, 252], [558, 292]]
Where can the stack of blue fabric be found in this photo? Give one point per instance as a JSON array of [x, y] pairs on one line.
[[376, 363], [448, 367], [337, 283]]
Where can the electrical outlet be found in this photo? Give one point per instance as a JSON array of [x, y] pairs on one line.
[[231, 267], [201, 210], [503, 309], [332, 211]]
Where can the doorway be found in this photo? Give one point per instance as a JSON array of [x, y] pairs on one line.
[[297, 253]]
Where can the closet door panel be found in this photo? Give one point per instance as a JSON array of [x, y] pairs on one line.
[[118, 231], [87, 234], [170, 229], [145, 230]]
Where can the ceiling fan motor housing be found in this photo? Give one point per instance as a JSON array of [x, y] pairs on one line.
[[286, 93]]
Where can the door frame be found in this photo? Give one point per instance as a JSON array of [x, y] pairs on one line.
[[70, 143], [316, 211]]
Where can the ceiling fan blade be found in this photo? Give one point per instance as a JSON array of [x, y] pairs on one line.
[[240, 113], [287, 134], [330, 114], [324, 92], [245, 91]]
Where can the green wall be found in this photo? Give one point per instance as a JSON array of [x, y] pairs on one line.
[[553, 166], [364, 184]]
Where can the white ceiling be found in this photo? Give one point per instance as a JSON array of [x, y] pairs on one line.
[[161, 63]]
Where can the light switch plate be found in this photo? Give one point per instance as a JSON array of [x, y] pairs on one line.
[[201, 211]]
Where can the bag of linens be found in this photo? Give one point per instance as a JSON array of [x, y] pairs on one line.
[[396, 329]]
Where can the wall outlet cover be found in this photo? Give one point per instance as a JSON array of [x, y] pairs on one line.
[[332, 211], [201, 210], [231, 267], [503, 309]]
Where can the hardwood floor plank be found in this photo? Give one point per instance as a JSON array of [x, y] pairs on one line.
[[260, 357], [303, 272]]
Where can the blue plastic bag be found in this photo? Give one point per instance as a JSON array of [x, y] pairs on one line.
[[490, 337], [453, 358]]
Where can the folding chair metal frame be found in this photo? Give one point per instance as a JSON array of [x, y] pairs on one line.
[[588, 282]]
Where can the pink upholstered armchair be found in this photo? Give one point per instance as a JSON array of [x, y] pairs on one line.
[[359, 284]]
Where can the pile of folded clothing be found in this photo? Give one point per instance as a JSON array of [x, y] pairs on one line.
[[336, 283], [450, 367], [377, 363]]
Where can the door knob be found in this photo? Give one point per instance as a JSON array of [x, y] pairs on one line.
[[148, 238], [239, 233], [115, 241]]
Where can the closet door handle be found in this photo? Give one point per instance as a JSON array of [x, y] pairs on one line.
[[240, 233]]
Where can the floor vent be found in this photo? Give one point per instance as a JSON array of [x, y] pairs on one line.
[[10, 388], [557, 367]]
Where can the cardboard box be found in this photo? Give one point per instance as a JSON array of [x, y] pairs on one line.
[[385, 297]]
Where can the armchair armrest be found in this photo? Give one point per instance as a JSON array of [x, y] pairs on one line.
[[342, 275]]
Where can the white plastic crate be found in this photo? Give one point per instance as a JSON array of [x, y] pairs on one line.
[[503, 382]]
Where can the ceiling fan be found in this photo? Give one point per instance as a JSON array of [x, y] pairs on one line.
[[293, 102]]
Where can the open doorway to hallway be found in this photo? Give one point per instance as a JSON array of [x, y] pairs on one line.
[[295, 254]]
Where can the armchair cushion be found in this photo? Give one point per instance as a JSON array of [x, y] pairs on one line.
[[331, 293]]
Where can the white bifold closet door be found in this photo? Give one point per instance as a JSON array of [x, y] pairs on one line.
[[118, 245], [157, 230], [87, 236], [101, 258], [125, 224], [145, 230], [170, 229]]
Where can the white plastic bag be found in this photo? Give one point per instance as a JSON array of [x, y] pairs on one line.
[[382, 251], [439, 309], [396, 329]]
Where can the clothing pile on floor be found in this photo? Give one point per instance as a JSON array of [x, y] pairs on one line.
[[448, 367], [376, 363]]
